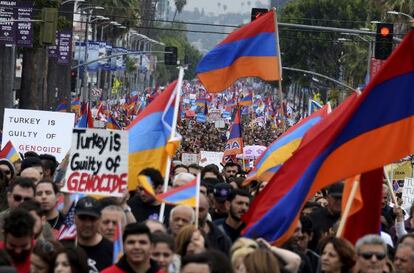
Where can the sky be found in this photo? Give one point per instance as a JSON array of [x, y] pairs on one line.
[[216, 6]]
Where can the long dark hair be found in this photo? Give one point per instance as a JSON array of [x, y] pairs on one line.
[[77, 258]]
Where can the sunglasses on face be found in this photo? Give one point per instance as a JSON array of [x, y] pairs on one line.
[[19, 198], [368, 255]]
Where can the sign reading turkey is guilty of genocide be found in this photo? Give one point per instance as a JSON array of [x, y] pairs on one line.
[[42, 132], [98, 162]]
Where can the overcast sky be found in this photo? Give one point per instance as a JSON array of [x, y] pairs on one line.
[[216, 6]]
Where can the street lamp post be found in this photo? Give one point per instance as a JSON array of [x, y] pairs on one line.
[[85, 93], [400, 13]]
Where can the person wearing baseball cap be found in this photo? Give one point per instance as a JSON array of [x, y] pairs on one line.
[[98, 249], [221, 193]]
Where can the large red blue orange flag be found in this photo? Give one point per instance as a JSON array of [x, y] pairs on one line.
[[148, 135], [250, 51], [362, 134]]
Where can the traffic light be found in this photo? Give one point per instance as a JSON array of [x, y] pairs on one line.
[[170, 55], [48, 26], [383, 41], [73, 77], [256, 13]]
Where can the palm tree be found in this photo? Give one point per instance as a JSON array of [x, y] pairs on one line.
[[179, 5]]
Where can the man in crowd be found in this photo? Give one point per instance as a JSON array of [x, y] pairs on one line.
[[180, 216], [371, 253], [46, 194], [98, 249], [221, 192], [237, 204], [404, 259], [230, 170], [325, 217], [111, 217], [41, 229], [33, 162], [143, 205], [8, 168], [49, 164], [216, 238], [18, 238], [137, 244], [22, 189], [387, 213], [32, 173]]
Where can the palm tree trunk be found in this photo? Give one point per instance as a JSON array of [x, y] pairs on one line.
[[7, 70], [33, 91]]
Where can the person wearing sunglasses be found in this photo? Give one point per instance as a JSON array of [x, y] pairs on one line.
[[371, 254], [22, 189]]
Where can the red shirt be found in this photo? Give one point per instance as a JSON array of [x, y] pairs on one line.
[[23, 267]]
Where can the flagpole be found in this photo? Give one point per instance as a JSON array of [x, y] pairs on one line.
[[173, 132], [345, 214], [280, 69], [389, 184], [197, 207]]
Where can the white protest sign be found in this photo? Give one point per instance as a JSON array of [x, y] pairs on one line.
[[211, 158], [98, 162], [42, 132], [187, 158], [408, 193]]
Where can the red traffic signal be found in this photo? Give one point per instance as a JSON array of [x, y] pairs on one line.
[[256, 13], [383, 40]]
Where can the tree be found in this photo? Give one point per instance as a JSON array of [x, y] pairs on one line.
[[179, 5], [319, 51]]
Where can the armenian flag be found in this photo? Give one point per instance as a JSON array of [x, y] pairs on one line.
[[62, 107], [283, 147], [250, 51], [234, 145], [118, 246], [149, 133], [246, 100], [364, 133], [85, 120], [75, 104], [184, 195], [10, 152], [111, 123]]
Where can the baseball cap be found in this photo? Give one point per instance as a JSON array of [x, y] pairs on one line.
[[222, 191], [336, 190], [88, 206]]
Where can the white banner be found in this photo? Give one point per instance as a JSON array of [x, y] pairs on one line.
[[42, 132], [211, 158], [98, 162], [187, 158], [408, 193]]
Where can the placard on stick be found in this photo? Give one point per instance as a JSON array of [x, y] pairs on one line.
[[408, 193], [98, 162]]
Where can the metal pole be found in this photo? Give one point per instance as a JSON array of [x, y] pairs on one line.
[[85, 96], [369, 60]]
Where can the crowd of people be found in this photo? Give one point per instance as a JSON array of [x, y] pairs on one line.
[[45, 230]]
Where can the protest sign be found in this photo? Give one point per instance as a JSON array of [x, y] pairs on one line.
[[98, 162], [187, 158], [408, 193], [211, 158], [42, 132]]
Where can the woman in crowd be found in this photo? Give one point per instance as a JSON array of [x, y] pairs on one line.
[[71, 260], [189, 241], [261, 261], [337, 256], [43, 255]]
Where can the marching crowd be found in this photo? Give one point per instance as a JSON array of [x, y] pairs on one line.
[[42, 233]]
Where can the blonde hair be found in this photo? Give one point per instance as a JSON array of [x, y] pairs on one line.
[[261, 261], [240, 254], [243, 243]]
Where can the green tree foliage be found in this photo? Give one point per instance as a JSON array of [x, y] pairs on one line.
[[321, 51], [186, 51]]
